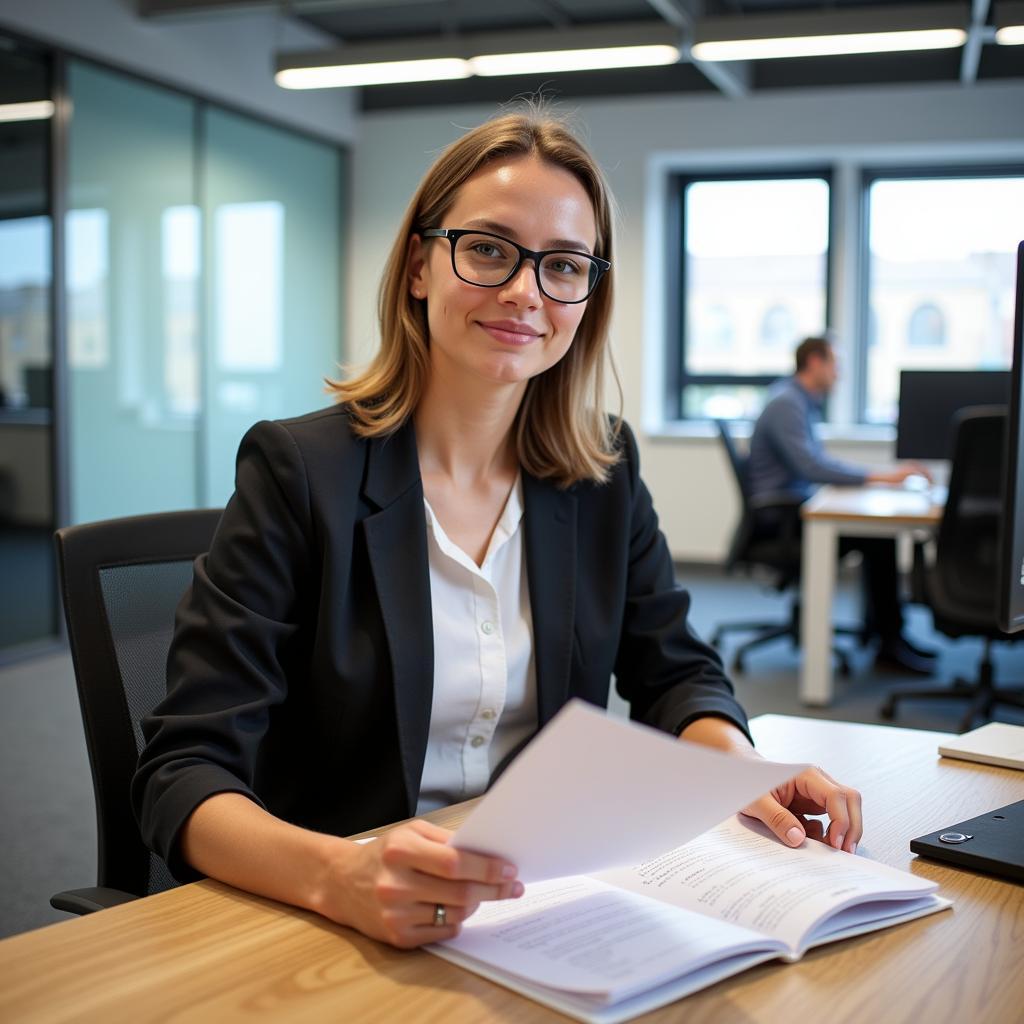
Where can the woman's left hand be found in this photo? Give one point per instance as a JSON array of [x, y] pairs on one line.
[[811, 792]]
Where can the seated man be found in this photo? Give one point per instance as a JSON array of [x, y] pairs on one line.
[[787, 456]]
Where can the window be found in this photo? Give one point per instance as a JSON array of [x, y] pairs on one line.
[[940, 273], [751, 252]]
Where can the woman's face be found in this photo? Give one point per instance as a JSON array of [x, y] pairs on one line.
[[513, 332]]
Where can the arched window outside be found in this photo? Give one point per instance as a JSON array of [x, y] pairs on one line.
[[715, 329], [778, 328], [927, 327]]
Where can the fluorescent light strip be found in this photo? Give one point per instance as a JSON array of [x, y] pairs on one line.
[[383, 73], [491, 65], [1010, 35], [39, 110], [827, 46]]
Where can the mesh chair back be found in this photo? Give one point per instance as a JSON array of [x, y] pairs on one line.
[[967, 549], [743, 535], [121, 582], [737, 462], [778, 552]]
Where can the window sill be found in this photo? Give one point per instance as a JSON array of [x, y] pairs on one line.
[[848, 433]]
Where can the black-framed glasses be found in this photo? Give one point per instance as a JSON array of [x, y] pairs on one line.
[[489, 261]]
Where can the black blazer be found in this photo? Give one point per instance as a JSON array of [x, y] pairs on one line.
[[301, 668]]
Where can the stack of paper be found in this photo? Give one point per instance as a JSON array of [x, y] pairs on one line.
[[995, 743]]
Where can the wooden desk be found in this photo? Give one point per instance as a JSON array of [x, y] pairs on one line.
[[831, 513], [206, 952]]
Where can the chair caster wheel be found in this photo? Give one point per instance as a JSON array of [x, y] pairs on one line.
[[844, 667], [716, 640], [737, 666], [888, 710]]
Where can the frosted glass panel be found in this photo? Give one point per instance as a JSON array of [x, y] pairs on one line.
[[133, 270], [271, 214], [202, 290]]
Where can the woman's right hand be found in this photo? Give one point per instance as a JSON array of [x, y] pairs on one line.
[[389, 888]]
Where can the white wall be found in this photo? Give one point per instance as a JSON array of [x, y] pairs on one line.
[[228, 57], [636, 141]]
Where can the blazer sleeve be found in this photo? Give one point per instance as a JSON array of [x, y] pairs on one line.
[[666, 672], [234, 632]]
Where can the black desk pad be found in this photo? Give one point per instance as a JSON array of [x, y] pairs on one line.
[[996, 843]]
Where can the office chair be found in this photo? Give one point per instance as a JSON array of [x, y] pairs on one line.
[[779, 554], [121, 581], [960, 587]]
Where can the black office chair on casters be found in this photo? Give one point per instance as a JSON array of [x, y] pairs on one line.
[[960, 587], [121, 581], [778, 554]]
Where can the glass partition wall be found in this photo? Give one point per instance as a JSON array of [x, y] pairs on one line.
[[201, 265]]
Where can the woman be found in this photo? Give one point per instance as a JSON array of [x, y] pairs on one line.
[[406, 586]]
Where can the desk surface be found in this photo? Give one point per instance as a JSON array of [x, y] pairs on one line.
[[873, 503], [208, 952]]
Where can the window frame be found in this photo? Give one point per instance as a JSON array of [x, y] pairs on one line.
[[869, 175], [676, 377]]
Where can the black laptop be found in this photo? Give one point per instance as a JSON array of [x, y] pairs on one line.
[[992, 842]]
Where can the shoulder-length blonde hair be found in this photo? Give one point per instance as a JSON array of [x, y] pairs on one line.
[[561, 430]]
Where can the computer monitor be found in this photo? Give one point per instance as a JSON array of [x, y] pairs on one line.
[[929, 399], [1011, 561]]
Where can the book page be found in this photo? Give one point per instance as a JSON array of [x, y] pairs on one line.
[[580, 935], [872, 915], [594, 1010], [566, 807], [740, 873]]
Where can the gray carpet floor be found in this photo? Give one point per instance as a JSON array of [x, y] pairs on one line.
[[46, 804]]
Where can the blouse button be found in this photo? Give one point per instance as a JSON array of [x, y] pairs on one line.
[[487, 627], [477, 741]]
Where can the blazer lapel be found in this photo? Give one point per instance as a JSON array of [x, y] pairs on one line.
[[550, 523], [396, 541]]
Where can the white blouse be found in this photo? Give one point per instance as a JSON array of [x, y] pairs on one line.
[[485, 687]]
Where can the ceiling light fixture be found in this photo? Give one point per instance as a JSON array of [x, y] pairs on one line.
[[597, 59], [599, 47], [1010, 24], [333, 76], [38, 110], [829, 46], [830, 33]]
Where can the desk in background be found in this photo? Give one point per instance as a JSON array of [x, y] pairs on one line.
[[831, 513], [207, 952]]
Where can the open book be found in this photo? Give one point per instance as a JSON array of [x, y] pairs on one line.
[[609, 946]]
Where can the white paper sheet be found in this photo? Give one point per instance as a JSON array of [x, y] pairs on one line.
[[593, 792]]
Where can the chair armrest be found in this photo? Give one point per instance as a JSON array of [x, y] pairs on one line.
[[88, 901], [776, 500]]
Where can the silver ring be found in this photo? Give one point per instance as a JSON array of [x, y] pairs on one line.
[[440, 915]]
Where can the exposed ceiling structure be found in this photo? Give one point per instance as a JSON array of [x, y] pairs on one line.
[[360, 24]]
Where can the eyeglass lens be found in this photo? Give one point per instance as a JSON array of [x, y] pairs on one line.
[[486, 260]]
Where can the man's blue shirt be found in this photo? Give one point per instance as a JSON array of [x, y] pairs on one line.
[[786, 454]]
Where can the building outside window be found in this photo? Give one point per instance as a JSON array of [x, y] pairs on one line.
[[927, 327]]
